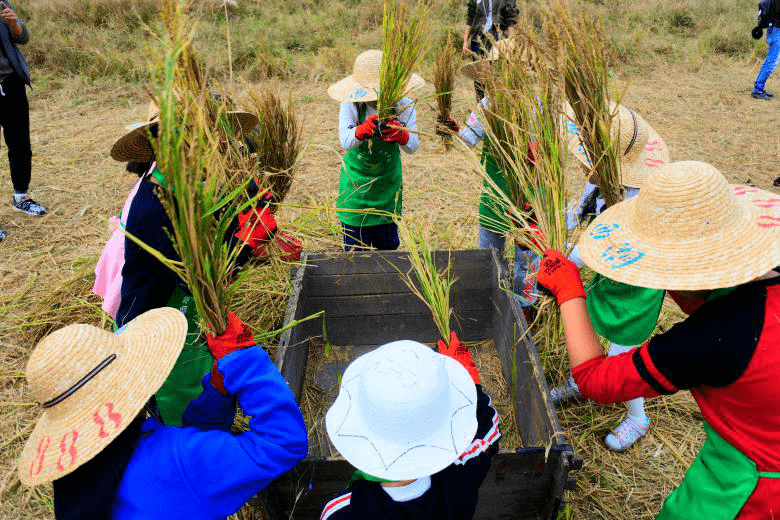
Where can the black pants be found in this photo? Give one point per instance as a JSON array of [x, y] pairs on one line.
[[15, 122]]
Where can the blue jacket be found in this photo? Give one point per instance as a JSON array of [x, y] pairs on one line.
[[12, 52], [202, 471]]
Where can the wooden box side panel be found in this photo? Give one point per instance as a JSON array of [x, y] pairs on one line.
[[536, 416], [367, 302]]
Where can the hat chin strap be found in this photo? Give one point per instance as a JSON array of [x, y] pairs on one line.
[[636, 133], [81, 382]]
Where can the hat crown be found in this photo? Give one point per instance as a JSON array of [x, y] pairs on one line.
[[367, 68], [404, 391], [685, 202], [63, 358]]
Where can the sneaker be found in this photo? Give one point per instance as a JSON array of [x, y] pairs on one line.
[[567, 391], [30, 207], [626, 434], [769, 93], [2, 235], [777, 182], [762, 95]]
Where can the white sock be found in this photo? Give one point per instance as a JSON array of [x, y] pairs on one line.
[[636, 407], [19, 197]]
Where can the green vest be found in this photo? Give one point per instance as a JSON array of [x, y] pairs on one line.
[[184, 382], [622, 313], [370, 179], [716, 486], [493, 214]]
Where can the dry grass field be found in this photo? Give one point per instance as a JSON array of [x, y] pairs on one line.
[[688, 68]]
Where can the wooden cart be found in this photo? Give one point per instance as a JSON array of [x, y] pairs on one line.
[[366, 304]]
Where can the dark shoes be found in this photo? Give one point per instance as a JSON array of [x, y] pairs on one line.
[[777, 182], [30, 207], [762, 95], [2, 235]]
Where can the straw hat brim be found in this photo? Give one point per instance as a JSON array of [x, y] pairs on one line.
[[654, 155], [767, 205], [728, 257], [389, 460], [349, 90], [134, 146], [109, 402], [477, 70]]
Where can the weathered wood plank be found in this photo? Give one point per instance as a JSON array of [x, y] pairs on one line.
[[371, 262], [383, 283], [388, 304]]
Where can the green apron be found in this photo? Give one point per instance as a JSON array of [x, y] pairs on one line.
[[492, 205], [622, 313], [184, 382], [370, 179], [716, 486]]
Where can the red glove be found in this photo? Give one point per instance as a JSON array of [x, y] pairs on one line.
[[460, 354], [291, 247], [365, 129], [256, 226], [560, 276], [236, 337], [394, 132], [533, 152], [537, 237], [446, 126]]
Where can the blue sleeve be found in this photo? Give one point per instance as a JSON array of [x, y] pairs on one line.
[[224, 471], [211, 410]]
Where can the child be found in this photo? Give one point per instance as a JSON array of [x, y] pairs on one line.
[[726, 352], [415, 457], [623, 314], [107, 460], [494, 220], [144, 283], [370, 187]]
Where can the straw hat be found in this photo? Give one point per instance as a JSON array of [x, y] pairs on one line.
[[643, 150], [403, 412], [363, 84], [686, 230], [480, 70], [766, 203], [92, 384], [134, 146]]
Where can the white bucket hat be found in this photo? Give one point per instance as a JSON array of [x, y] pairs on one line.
[[643, 150], [363, 84], [688, 229], [403, 412]]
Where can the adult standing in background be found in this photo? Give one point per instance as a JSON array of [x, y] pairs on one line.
[[770, 15], [14, 110], [487, 21]]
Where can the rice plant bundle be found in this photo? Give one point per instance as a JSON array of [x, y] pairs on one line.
[[444, 82], [277, 140], [425, 280], [197, 197], [530, 147], [586, 81], [404, 37]]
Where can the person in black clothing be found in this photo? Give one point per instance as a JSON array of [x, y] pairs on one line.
[[487, 21], [419, 429], [14, 109]]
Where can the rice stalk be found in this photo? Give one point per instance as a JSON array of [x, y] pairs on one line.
[[443, 84], [581, 41], [197, 197], [404, 38], [425, 280], [277, 141]]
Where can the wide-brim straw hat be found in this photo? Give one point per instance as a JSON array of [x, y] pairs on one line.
[[685, 230], [766, 203], [134, 146], [363, 84], [481, 70], [642, 149], [92, 384], [403, 412]]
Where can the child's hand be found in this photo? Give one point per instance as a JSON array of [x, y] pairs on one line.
[[560, 276], [459, 353], [394, 132], [365, 129]]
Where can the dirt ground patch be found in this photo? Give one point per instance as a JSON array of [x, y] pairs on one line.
[[703, 113]]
